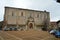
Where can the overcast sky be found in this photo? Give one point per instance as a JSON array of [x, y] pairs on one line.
[[49, 5]]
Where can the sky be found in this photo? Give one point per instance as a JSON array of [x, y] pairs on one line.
[[49, 5]]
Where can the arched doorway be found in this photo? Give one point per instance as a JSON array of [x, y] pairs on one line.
[[30, 26]]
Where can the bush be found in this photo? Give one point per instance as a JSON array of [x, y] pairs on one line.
[[44, 29], [15, 29], [10, 29]]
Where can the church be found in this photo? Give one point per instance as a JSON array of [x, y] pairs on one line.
[[25, 19]]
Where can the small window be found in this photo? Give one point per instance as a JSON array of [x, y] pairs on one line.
[[30, 14], [37, 15], [12, 14], [21, 13]]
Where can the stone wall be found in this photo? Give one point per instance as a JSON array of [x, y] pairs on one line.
[[18, 16]]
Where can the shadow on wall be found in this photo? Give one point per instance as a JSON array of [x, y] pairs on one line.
[[1, 23]]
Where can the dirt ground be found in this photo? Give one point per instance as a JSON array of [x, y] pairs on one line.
[[26, 35]]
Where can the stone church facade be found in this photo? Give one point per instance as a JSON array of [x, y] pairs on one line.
[[25, 18]]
